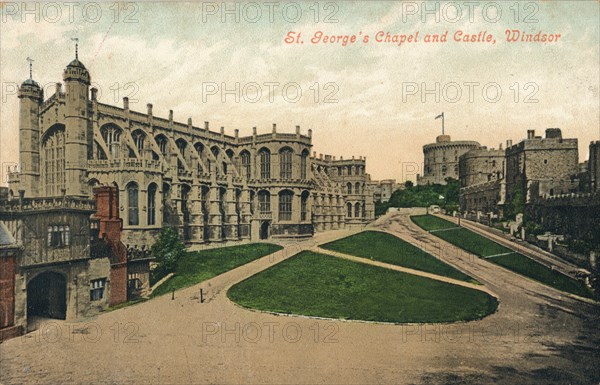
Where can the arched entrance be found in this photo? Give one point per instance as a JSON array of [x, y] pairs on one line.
[[47, 296], [265, 230]]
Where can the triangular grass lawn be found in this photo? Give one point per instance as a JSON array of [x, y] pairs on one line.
[[197, 266], [500, 255], [384, 247], [320, 285]]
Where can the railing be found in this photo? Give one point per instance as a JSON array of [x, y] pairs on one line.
[[125, 164], [263, 215], [32, 204]]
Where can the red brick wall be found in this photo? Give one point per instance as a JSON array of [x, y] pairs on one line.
[[8, 268], [107, 203]]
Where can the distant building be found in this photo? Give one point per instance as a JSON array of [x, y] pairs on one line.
[[441, 159], [594, 166], [383, 189], [539, 166], [481, 174]]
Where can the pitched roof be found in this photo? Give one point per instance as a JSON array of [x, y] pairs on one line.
[[6, 237]]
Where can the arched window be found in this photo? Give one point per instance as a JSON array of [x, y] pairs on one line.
[[357, 188], [264, 201], [112, 138], [303, 164], [339, 171], [245, 157], [265, 163], [181, 145], [53, 155], [349, 170], [285, 163], [357, 210], [285, 205], [132, 204], [138, 138], [152, 204], [304, 205], [162, 141], [349, 211], [349, 188]]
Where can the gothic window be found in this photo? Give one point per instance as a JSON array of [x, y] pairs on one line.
[[303, 164], [162, 141], [357, 188], [304, 205], [349, 188], [138, 138], [264, 201], [54, 160], [349, 170], [265, 163], [112, 139], [339, 169], [132, 204], [152, 204], [357, 210], [285, 205], [245, 157], [285, 163], [349, 210], [181, 145]]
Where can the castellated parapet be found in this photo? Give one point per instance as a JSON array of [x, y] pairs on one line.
[[441, 159]]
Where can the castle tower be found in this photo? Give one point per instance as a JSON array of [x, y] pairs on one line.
[[78, 140], [30, 100]]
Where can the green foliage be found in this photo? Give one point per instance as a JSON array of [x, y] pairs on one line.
[[167, 250], [320, 285], [195, 267], [427, 195], [516, 204], [387, 248], [484, 247], [381, 208]]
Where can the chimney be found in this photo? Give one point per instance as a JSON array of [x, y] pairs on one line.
[[206, 126], [126, 103], [94, 93], [149, 106], [530, 134]]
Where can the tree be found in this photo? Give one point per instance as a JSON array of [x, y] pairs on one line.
[[167, 250]]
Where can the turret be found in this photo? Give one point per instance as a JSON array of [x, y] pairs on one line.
[[30, 100], [78, 140]]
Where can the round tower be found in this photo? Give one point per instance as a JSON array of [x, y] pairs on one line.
[[78, 137], [30, 99]]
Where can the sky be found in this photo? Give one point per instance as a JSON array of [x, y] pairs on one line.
[[372, 99]]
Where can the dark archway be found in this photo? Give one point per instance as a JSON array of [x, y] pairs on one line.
[[47, 296], [265, 230]]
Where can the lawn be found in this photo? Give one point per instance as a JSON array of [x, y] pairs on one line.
[[199, 266], [484, 247], [325, 286], [387, 248]]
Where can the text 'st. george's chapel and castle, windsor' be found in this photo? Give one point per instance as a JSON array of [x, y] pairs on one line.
[[213, 187]]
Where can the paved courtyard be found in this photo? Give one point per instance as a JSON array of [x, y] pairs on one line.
[[538, 336]]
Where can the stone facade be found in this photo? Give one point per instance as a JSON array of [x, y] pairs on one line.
[[383, 189], [481, 174], [542, 166], [55, 274], [441, 159], [8, 269], [214, 187]]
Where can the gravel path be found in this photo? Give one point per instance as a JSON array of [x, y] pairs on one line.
[[538, 336]]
